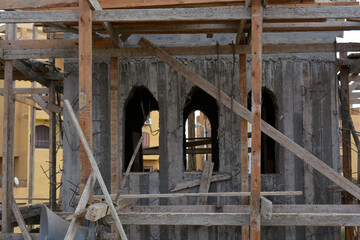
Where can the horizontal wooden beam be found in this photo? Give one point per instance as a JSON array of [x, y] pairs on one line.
[[290, 208], [106, 4], [182, 14], [240, 219], [68, 49], [27, 91]]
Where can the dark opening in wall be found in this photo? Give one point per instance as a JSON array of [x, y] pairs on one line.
[[201, 123], [41, 136], [268, 145], [141, 119]]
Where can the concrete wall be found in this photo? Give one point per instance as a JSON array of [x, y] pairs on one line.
[[307, 113]]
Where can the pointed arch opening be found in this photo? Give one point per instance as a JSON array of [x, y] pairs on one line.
[[201, 123], [268, 145], [142, 120]]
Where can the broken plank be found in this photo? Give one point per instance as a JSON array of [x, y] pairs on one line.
[[194, 183], [205, 181], [279, 137], [20, 220]]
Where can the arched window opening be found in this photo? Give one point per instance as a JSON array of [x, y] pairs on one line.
[[198, 140], [200, 131], [41, 136], [268, 145], [142, 119]]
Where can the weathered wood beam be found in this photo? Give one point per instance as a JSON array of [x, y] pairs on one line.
[[52, 149], [182, 14], [85, 85], [27, 91], [63, 27], [85, 196], [240, 219], [32, 150], [211, 194], [18, 236], [34, 4], [279, 137], [114, 124], [20, 220], [8, 138], [205, 181], [58, 50], [289, 208], [256, 76]]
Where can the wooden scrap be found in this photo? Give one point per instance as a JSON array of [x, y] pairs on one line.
[[266, 208], [20, 220], [194, 183], [205, 181]]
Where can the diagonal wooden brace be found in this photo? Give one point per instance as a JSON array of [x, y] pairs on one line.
[[225, 99]]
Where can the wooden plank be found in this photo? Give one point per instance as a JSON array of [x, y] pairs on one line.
[[8, 138], [20, 220], [256, 76], [96, 211], [27, 91], [240, 219], [18, 236], [205, 181], [244, 170], [80, 213], [212, 194], [71, 52], [52, 150], [266, 208], [96, 170], [246, 114], [114, 124], [32, 150], [194, 183], [346, 137], [34, 4], [182, 14], [126, 175], [85, 196], [85, 85], [289, 208]]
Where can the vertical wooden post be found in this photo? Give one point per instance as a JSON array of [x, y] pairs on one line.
[[256, 52], [32, 150], [244, 141], [191, 134], [52, 148], [85, 85], [114, 100], [346, 138], [8, 138], [32, 140]]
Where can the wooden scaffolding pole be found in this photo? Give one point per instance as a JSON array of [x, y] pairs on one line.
[[346, 138], [8, 138], [52, 149], [244, 140], [114, 100], [85, 84], [256, 53]]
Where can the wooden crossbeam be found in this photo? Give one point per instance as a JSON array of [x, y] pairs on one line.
[[67, 49], [241, 219], [279, 137], [182, 14]]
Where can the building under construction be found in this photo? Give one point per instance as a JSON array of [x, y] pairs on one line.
[[193, 119]]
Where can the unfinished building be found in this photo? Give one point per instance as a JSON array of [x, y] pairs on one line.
[[247, 97]]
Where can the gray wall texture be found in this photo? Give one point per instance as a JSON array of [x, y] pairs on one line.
[[306, 98]]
